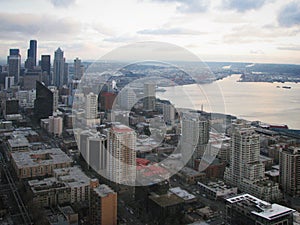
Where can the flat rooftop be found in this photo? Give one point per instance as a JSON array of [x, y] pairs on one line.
[[217, 185], [120, 128], [272, 173], [182, 193], [166, 200], [261, 208], [103, 190], [67, 210], [263, 158], [189, 172], [74, 176], [18, 142], [45, 184], [40, 157]]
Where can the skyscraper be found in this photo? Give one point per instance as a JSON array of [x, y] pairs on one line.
[[78, 69], [14, 64], [30, 62], [91, 106], [122, 158], [58, 68], [46, 67], [66, 74], [195, 136], [9, 81], [168, 113], [45, 102], [127, 98], [289, 169], [55, 125], [245, 150], [97, 151], [246, 171], [149, 96]]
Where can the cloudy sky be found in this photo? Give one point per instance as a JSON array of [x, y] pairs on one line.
[[219, 30]]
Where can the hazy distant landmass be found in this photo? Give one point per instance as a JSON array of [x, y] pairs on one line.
[[196, 72]]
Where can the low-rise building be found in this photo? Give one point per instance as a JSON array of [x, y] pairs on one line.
[[183, 194], [18, 144], [247, 209], [164, 206], [78, 182], [49, 192], [61, 216], [217, 189], [190, 176], [39, 163]]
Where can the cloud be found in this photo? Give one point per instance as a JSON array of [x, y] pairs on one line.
[[62, 3], [257, 52], [243, 5], [189, 6], [170, 31], [102, 29], [19, 26], [121, 39], [289, 15], [250, 34], [290, 48]]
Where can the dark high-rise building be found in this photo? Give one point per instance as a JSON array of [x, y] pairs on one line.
[[66, 73], [14, 64], [11, 106], [78, 69], [43, 104], [33, 50], [14, 51], [46, 67], [31, 55], [46, 63]]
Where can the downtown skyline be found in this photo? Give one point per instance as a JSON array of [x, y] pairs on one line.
[[224, 30]]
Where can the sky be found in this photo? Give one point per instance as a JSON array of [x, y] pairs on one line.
[[258, 31]]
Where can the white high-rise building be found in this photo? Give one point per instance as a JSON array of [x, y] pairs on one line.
[[31, 97], [22, 96], [169, 113], [149, 96], [246, 171], [245, 151], [55, 125], [122, 154], [93, 148], [91, 106], [195, 136], [289, 169], [55, 97], [26, 98], [127, 98]]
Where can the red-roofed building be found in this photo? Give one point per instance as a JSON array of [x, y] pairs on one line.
[[107, 100], [142, 162]]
